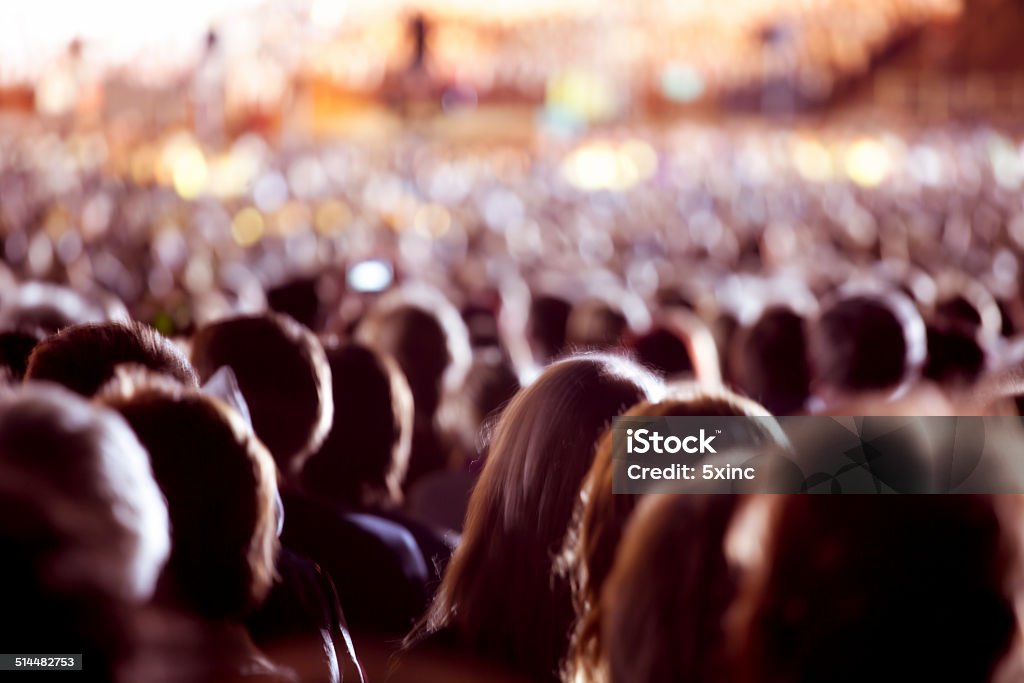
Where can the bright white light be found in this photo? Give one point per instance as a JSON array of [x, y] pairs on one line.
[[370, 276], [32, 34], [868, 162]]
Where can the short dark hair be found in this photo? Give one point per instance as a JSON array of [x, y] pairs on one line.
[[15, 348], [364, 458], [84, 357], [283, 373], [769, 360], [83, 527], [220, 485], [85, 460], [546, 326], [866, 341], [424, 333]]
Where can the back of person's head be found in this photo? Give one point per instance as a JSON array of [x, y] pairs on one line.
[[15, 348], [956, 356], [83, 527], [664, 604], [51, 308], [90, 457], [482, 326], [424, 333], [364, 458], [299, 300], [220, 486], [596, 324], [84, 357], [284, 376], [958, 339], [547, 321], [893, 587], [663, 351], [498, 594], [770, 361], [467, 412], [600, 517], [864, 341]]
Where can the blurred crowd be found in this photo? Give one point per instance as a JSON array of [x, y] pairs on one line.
[[341, 412]]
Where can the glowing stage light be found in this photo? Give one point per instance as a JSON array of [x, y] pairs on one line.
[[813, 161], [247, 226], [591, 167], [189, 173], [868, 162], [604, 166], [681, 83]]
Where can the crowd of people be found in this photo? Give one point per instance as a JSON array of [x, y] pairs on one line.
[[353, 422]]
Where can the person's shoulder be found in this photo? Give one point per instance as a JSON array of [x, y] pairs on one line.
[[394, 536]]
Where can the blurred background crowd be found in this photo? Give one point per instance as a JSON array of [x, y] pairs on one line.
[[314, 316]]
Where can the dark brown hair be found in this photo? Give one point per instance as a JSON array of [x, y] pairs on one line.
[[870, 340], [498, 597], [283, 374], [221, 488], [364, 458], [664, 603], [600, 517], [83, 527], [890, 588], [84, 357], [769, 360]]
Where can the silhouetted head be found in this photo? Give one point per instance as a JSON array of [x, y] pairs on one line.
[[364, 458], [297, 299], [221, 491], [424, 333], [770, 361], [86, 459], [84, 357], [283, 373], [15, 348], [892, 587], [867, 341], [469, 412], [596, 324], [663, 351], [83, 527], [546, 325]]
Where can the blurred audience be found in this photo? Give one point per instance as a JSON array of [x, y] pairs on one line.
[[374, 387]]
